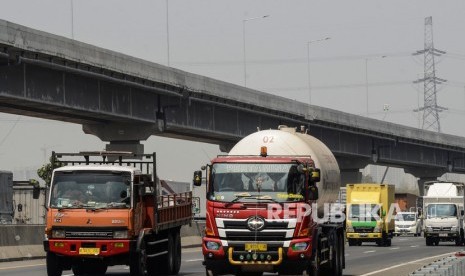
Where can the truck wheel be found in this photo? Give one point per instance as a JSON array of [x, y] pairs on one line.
[[138, 262], [177, 253], [388, 242], [352, 242], [315, 267], [167, 260], [336, 262], [53, 265], [429, 241], [209, 272]]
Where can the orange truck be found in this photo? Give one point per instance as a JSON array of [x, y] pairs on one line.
[[106, 208]]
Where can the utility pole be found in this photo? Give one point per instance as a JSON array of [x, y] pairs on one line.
[[430, 106]]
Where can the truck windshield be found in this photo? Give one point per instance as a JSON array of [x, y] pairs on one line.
[[90, 189], [364, 212], [256, 182], [441, 210]]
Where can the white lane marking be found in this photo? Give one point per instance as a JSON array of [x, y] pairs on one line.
[[413, 245], [370, 251], [402, 239], [394, 248], [20, 266], [193, 260], [407, 263]]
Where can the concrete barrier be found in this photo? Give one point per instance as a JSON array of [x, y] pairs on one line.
[[23, 242], [21, 234], [449, 266]]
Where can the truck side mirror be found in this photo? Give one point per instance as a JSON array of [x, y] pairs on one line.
[[383, 213], [313, 193], [461, 212], [315, 175], [197, 181]]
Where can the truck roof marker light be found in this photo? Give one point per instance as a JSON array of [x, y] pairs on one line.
[[263, 151]]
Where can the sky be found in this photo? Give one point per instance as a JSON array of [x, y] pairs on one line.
[[369, 49]]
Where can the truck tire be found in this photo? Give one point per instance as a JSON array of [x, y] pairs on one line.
[[167, 260], [209, 272], [177, 253], [53, 265], [429, 241], [138, 262], [352, 242], [335, 268]]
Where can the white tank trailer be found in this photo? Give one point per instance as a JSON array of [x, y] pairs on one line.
[[288, 141]]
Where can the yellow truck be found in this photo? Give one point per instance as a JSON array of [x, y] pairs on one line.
[[367, 209]]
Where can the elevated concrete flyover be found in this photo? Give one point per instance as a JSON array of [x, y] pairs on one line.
[[124, 100]]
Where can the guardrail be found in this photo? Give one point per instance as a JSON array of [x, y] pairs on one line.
[[448, 266]]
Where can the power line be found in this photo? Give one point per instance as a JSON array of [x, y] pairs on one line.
[[294, 60]]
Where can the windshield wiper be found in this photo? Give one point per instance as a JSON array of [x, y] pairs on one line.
[[266, 197], [238, 196]]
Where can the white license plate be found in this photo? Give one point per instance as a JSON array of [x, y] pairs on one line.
[[443, 235], [363, 235]]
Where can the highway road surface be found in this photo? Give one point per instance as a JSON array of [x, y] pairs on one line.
[[404, 256]]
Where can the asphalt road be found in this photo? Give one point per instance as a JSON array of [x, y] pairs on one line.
[[404, 256]]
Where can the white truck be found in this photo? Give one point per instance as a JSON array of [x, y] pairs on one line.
[[443, 205]]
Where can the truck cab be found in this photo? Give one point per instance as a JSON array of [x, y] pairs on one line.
[[367, 210], [443, 207]]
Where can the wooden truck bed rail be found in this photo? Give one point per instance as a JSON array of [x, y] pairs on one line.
[[174, 210]]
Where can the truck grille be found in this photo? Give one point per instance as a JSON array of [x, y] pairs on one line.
[[364, 229], [441, 229], [89, 234], [95, 233], [273, 230]]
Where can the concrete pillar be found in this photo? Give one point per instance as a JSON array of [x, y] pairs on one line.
[[350, 169], [424, 175], [123, 136], [350, 176]]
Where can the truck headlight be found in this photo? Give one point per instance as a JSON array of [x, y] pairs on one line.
[[453, 229], [300, 246], [429, 228], [58, 233], [377, 229], [212, 245], [121, 234], [349, 229]]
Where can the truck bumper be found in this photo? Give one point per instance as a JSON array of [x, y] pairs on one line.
[[89, 248], [232, 257], [444, 236], [364, 235]]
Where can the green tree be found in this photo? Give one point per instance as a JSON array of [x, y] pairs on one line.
[[45, 172]]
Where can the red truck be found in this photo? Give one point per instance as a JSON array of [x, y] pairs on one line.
[[265, 207], [105, 208]]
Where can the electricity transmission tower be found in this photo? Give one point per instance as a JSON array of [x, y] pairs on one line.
[[430, 107]]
